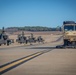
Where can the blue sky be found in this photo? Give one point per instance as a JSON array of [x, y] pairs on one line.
[[49, 13]]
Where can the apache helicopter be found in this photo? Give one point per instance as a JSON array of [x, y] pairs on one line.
[[40, 39], [21, 38], [4, 39], [30, 39]]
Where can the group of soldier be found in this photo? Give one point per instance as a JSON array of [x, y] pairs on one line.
[[4, 39]]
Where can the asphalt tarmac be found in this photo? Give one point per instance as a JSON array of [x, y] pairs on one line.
[[39, 59]]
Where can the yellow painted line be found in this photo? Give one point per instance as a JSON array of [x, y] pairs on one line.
[[17, 62]]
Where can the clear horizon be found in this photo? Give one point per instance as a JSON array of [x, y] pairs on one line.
[[46, 13]]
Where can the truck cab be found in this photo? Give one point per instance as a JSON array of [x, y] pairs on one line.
[[69, 33]]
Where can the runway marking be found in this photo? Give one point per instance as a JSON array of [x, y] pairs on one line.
[[9, 66]]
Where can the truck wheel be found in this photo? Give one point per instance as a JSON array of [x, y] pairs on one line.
[[65, 42]]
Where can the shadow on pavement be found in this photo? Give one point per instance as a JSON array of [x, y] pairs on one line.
[[42, 48]]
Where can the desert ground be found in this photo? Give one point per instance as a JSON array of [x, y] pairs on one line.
[[48, 36], [49, 59]]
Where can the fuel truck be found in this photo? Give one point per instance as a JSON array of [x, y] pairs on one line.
[[69, 34]]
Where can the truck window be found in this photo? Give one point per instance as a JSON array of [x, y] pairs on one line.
[[75, 27], [68, 28], [0, 36]]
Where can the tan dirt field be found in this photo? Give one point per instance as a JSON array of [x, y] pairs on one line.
[[48, 36]]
